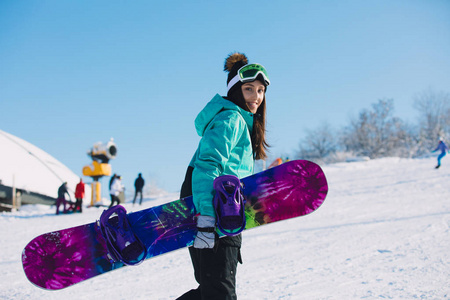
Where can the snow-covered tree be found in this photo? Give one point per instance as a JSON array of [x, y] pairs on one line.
[[318, 144], [376, 133], [434, 118]]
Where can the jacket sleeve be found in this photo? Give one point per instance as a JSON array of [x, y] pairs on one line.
[[212, 155]]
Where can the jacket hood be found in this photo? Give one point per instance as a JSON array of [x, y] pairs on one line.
[[216, 105]]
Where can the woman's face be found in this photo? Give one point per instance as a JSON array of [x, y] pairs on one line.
[[253, 94]]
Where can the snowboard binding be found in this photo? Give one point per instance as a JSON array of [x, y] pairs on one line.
[[229, 205], [123, 245]]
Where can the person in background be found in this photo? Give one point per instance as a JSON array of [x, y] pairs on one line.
[[79, 195], [232, 131], [276, 162], [111, 180], [62, 191], [115, 190], [138, 186], [443, 148]]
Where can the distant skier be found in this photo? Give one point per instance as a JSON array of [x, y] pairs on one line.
[[62, 191], [116, 189], [443, 148], [79, 195], [138, 185], [111, 180]]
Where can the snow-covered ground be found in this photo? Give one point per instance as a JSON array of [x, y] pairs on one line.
[[382, 233]]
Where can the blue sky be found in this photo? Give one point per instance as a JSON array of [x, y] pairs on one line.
[[73, 73]]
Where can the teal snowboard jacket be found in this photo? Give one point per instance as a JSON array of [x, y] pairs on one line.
[[224, 149]]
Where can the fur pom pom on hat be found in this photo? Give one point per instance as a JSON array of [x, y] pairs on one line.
[[232, 59], [233, 63]]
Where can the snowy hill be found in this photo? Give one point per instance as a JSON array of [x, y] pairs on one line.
[[383, 232]]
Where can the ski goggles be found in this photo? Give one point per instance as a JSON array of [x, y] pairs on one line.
[[249, 73]]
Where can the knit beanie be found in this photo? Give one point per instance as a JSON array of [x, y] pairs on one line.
[[233, 63]]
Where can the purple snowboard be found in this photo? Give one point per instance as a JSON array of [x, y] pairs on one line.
[[59, 259]]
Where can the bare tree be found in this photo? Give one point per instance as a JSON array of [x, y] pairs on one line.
[[434, 117], [318, 144], [376, 133]]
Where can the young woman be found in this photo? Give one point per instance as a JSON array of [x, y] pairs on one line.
[[233, 136]]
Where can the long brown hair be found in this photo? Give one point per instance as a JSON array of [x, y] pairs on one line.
[[259, 132], [258, 136]]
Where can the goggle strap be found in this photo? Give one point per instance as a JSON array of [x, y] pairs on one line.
[[233, 82]]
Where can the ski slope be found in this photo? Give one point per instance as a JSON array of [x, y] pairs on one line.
[[382, 233]]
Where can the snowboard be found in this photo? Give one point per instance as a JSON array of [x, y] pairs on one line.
[[62, 258]]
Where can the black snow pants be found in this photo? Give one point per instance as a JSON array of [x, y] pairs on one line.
[[214, 270]]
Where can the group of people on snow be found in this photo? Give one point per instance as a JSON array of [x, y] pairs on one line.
[[76, 206], [115, 189]]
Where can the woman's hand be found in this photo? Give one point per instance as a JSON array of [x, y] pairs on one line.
[[206, 236]]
